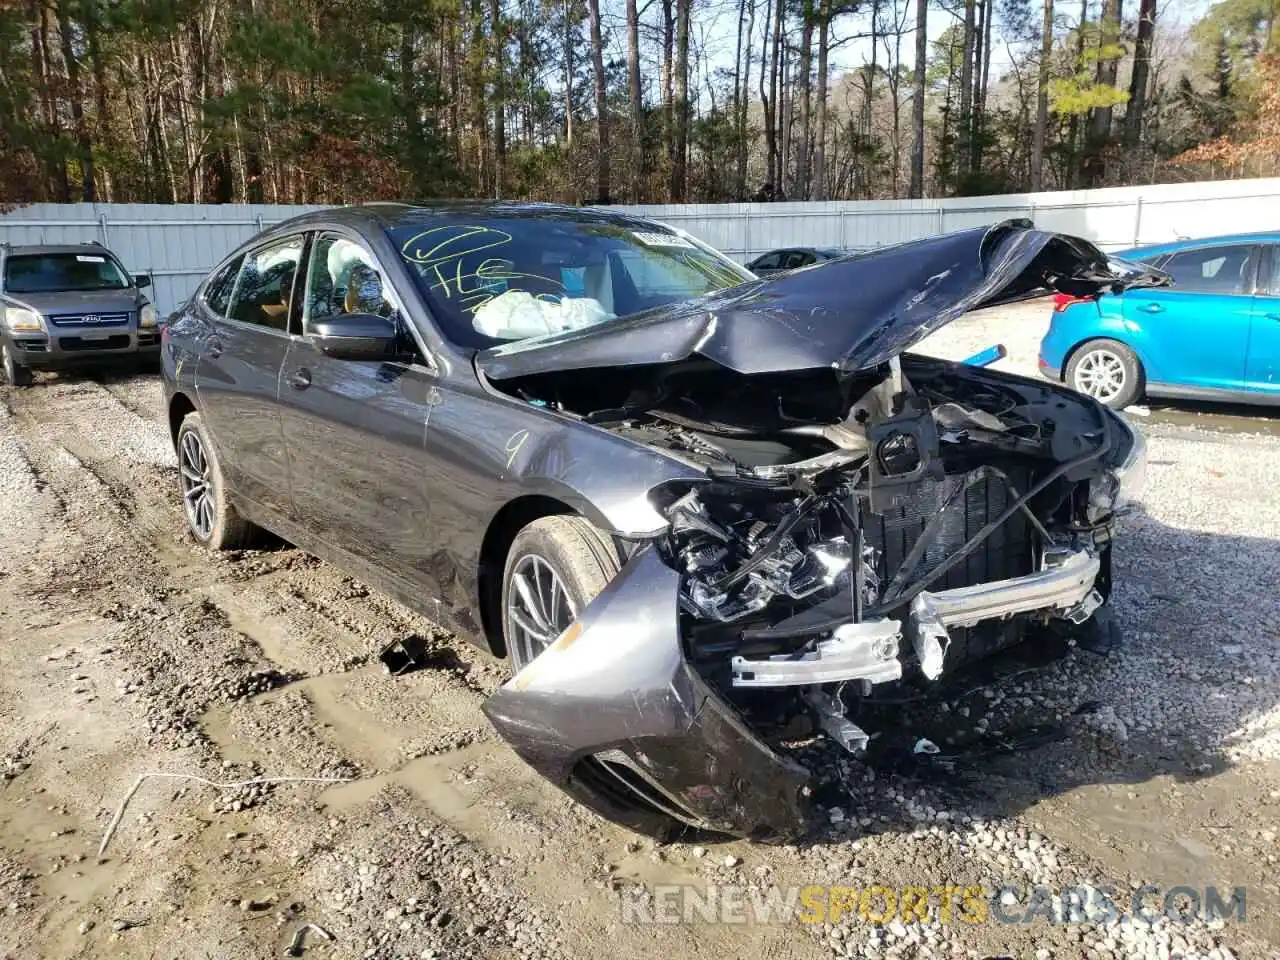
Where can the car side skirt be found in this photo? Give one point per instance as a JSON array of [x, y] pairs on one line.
[[1181, 392]]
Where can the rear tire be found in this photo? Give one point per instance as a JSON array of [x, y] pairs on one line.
[[1108, 371], [555, 567], [211, 519], [14, 373]]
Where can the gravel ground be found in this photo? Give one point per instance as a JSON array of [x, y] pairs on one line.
[[126, 651]]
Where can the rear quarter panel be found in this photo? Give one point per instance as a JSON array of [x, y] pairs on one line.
[[1103, 318]]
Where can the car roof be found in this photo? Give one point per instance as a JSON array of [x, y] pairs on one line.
[[39, 249], [1188, 244], [383, 216]]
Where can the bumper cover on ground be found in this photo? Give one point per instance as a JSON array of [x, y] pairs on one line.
[[613, 714]]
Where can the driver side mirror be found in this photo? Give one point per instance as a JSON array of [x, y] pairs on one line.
[[355, 336], [141, 281]]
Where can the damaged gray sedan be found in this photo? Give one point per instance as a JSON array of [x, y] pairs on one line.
[[692, 507]]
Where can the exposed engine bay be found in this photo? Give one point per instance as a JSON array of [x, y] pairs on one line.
[[861, 530]]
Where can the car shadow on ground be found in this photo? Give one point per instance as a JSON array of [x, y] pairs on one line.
[[1196, 678], [1221, 417]]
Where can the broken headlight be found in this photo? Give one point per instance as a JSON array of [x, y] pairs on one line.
[[742, 555]]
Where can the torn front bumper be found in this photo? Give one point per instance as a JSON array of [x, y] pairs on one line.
[[613, 714], [870, 651]]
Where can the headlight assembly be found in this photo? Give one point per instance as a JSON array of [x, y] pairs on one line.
[[22, 320], [147, 316]]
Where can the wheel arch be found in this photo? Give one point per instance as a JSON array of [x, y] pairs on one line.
[[501, 532], [180, 407], [1102, 335]]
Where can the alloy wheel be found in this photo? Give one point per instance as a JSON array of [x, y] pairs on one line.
[[539, 609], [1101, 375], [197, 486]]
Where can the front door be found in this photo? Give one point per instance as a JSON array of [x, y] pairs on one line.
[[355, 429], [1198, 328], [1263, 369], [238, 376]]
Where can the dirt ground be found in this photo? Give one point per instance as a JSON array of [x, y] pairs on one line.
[[126, 651]]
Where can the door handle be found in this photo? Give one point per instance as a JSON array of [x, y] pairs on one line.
[[213, 348], [301, 379], [1151, 308]]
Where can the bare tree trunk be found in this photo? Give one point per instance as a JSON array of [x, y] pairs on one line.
[[775, 96], [1141, 69], [679, 170], [602, 105], [75, 94], [894, 72], [869, 72], [498, 40], [568, 77], [916, 189], [980, 99], [966, 81], [190, 150], [768, 83], [802, 185], [786, 112], [668, 88], [820, 135], [744, 103], [1073, 126], [455, 90], [1108, 36], [637, 106], [92, 28], [1042, 100], [477, 110], [42, 69]]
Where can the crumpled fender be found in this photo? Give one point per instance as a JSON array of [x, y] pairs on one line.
[[617, 683]]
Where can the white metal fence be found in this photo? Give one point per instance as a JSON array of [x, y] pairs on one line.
[[177, 244]]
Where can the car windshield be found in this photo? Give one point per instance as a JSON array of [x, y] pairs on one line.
[[53, 272], [492, 280]]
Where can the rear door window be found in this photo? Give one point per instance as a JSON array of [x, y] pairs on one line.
[[1222, 270], [1271, 287], [264, 293], [217, 293]]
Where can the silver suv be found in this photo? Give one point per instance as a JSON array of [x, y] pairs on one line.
[[70, 305]]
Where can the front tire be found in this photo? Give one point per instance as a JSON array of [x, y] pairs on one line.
[[211, 519], [14, 373], [1108, 371], [555, 567]]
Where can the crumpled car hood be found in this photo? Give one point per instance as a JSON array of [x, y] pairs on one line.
[[851, 314]]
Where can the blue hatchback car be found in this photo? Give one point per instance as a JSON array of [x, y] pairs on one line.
[[1213, 334]]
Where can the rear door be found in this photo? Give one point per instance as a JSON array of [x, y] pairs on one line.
[[355, 428], [238, 377], [1196, 332], [1262, 371]]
